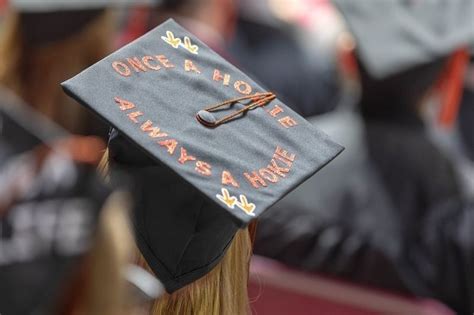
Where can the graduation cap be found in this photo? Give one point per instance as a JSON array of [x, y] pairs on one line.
[[47, 21], [210, 149], [395, 35], [49, 207], [61, 5]]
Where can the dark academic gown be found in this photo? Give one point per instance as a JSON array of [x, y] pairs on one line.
[[385, 213], [466, 120]]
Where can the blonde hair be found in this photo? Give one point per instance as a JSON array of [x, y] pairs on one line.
[[221, 291], [34, 72]]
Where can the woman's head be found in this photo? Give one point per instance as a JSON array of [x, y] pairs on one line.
[[194, 247], [403, 53], [402, 93], [399, 93], [34, 64], [194, 186]]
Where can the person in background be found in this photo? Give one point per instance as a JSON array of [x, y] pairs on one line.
[[189, 230], [213, 21], [222, 290], [75, 277], [466, 113], [42, 44], [390, 212], [268, 47], [449, 127], [64, 236]]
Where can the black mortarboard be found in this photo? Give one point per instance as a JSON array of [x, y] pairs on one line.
[[395, 35], [60, 5], [47, 21], [172, 4], [207, 171], [49, 207]]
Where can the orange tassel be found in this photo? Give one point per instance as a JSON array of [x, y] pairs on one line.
[[450, 87]]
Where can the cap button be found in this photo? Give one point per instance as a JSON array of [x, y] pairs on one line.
[[206, 118]]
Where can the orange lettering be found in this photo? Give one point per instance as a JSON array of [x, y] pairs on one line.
[[169, 144], [255, 180], [268, 175], [189, 66], [164, 61], [283, 153], [247, 88], [287, 122], [275, 111], [121, 68], [228, 179], [136, 64], [146, 61], [218, 77], [203, 168], [275, 168], [124, 105], [153, 132], [133, 116], [185, 157], [281, 159]]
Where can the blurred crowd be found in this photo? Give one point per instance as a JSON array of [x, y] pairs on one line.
[[394, 211]]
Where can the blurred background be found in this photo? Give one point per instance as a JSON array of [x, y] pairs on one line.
[[388, 228]]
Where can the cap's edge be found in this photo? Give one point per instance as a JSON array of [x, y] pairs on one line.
[[174, 284]]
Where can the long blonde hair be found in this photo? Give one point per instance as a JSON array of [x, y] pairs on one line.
[[221, 291], [34, 72]]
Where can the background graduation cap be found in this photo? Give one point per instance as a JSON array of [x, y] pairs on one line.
[[48, 21], [395, 35], [210, 150], [61, 5]]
